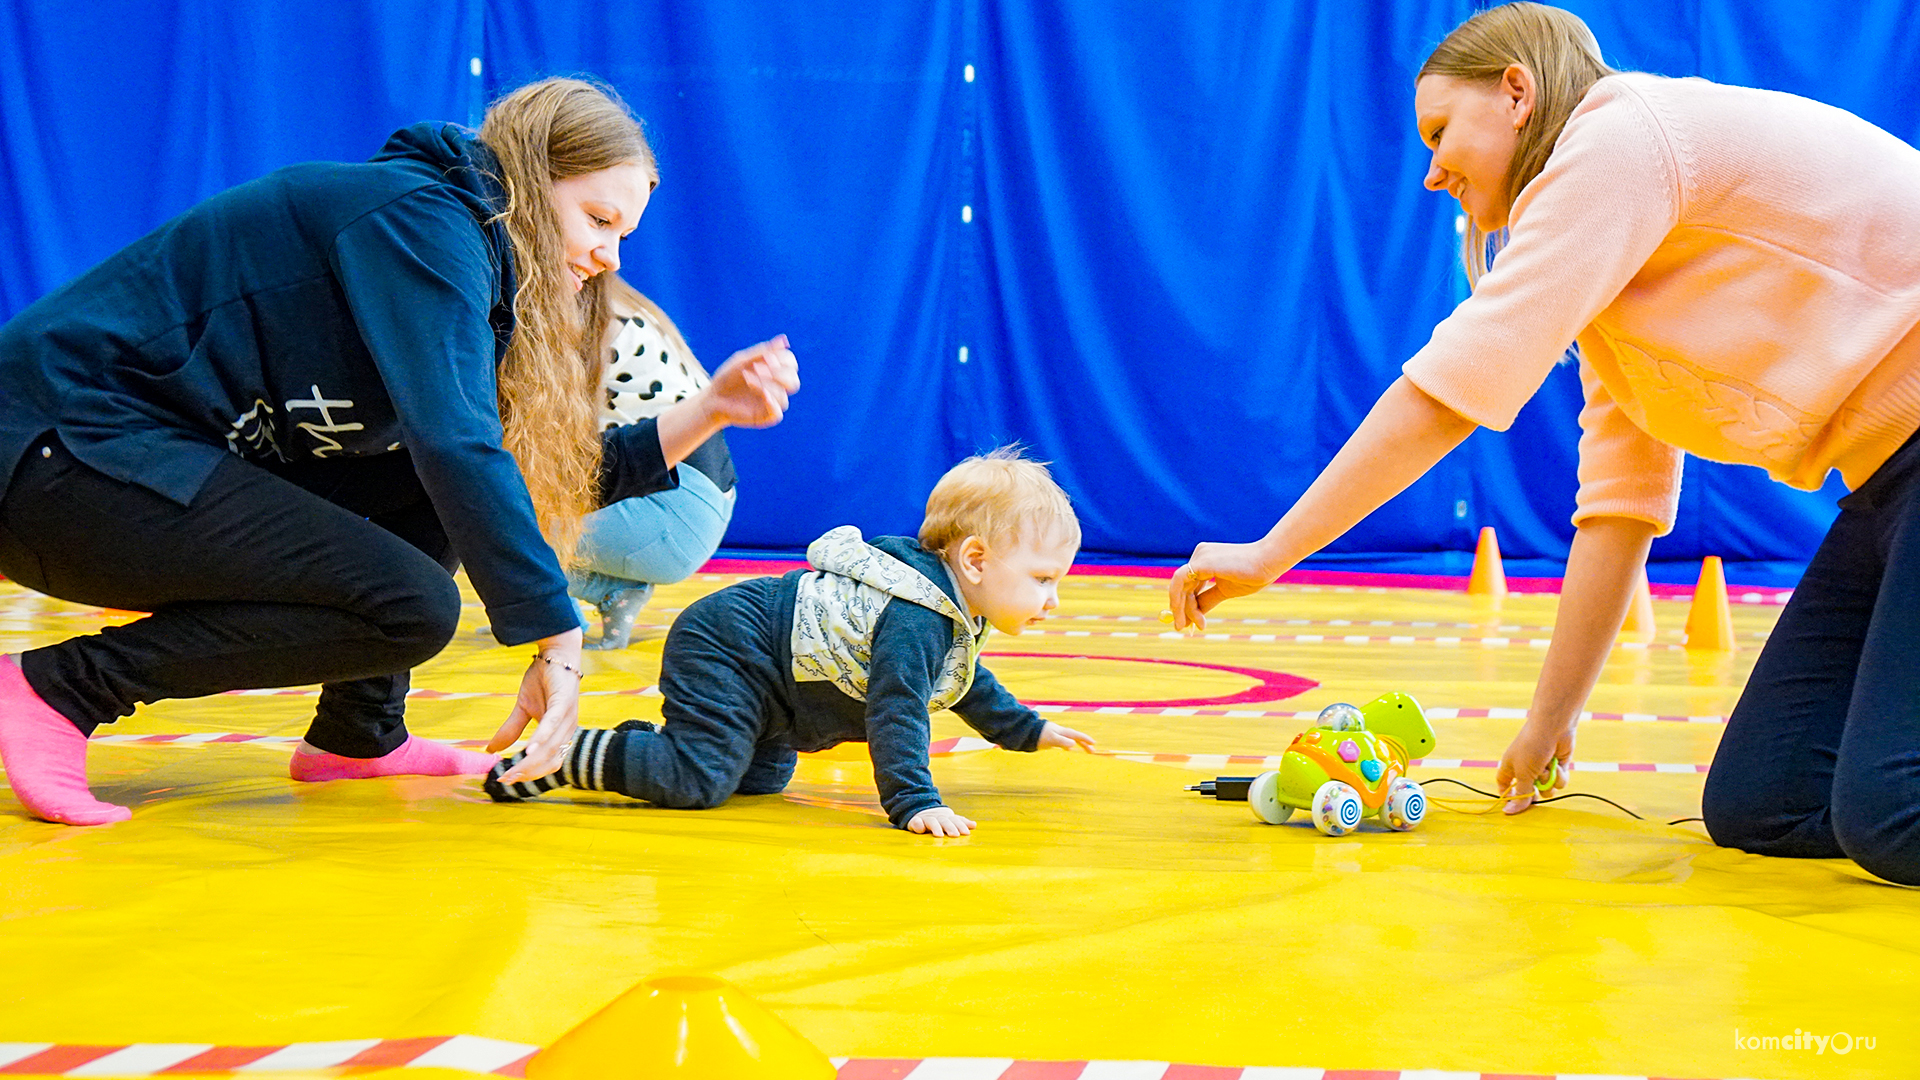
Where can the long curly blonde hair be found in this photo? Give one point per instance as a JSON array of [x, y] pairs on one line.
[[1564, 58], [546, 131]]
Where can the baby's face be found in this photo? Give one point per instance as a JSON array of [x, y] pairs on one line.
[[1015, 585]]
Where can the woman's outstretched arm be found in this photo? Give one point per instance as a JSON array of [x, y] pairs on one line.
[[1602, 569], [1406, 433]]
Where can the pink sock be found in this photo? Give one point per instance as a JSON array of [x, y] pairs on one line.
[[46, 757], [416, 757]]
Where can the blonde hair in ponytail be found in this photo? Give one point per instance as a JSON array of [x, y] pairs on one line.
[[1562, 55], [546, 131]]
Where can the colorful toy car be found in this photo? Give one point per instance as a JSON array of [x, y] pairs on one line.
[[1350, 765]]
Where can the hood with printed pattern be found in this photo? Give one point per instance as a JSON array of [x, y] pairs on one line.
[[837, 607]]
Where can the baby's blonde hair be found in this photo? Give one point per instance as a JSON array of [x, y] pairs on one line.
[[996, 497]]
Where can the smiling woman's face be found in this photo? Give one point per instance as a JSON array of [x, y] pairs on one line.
[[1472, 129], [596, 211]]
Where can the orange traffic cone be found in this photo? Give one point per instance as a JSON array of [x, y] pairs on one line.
[[687, 1026], [1489, 576], [1639, 625], [1710, 619]]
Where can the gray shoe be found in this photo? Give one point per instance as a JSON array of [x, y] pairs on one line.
[[617, 613]]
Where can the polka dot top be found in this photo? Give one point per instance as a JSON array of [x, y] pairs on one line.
[[644, 375]]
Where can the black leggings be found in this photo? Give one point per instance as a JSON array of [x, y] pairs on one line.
[[334, 572], [1821, 758]]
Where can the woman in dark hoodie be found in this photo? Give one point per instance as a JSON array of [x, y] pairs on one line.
[[279, 422]]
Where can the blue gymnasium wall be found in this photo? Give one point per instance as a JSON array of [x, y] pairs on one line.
[[1196, 249]]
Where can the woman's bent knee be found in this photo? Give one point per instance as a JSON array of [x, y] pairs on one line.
[[1730, 812], [1743, 816], [1882, 834], [422, 620]]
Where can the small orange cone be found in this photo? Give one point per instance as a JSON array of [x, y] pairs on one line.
[[1710, 620], [684, 1026], [1639, 625], [1489, 575]]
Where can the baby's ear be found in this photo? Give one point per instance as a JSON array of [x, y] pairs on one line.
[[970, 558]]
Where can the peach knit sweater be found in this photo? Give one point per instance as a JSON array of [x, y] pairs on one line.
[[1741, 269]]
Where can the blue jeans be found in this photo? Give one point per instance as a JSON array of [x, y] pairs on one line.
[[1821, 757], [654, 539]]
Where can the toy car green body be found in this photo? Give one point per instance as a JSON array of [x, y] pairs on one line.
[[1352, 764]]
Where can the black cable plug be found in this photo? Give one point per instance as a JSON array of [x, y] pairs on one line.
[[1224, 788]]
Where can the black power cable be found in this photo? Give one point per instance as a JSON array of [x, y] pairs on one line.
[[1554, 798]]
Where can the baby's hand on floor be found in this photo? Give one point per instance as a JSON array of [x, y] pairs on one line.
[[940, 821], [1064, 738]]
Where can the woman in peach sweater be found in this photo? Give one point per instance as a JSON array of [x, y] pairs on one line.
[[1741, 270]]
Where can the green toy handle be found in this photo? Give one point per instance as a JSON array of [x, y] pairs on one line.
[[1544, 782]]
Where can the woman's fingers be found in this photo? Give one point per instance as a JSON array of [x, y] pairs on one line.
[[1196, 616], [509, 732], [554, 738], [1180, 596], [1520, 783], [553, 691], [766, 378], [757, 382], [544, 754]]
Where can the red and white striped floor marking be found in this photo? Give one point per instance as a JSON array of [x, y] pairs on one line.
[[493, 1057], [1344, 639], [937, 748], [1046, 708], [440, 695], [1295, 714], [1422, 624], [965, 744]]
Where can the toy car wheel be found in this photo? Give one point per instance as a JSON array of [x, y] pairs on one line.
[[1406, 804], [1336, 809], [1263, 796]]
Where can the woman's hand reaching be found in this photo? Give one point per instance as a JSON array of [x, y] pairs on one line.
[[1538, 753], [752, 387], [1216, 572], [550, 694]]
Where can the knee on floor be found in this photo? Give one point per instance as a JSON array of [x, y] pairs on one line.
[[1881, 832], [1731, 813], [1744, 817]]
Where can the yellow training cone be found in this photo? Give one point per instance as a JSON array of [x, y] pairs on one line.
[[1639, 624], [1489, 576], [1710, 620], [684, 1027]]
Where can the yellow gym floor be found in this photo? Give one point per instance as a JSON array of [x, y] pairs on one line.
[[1099, 914]]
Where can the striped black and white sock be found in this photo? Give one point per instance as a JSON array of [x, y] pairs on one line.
[[585, 766]]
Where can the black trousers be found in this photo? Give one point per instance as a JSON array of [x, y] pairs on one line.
[[726, 716], [334, 572], [1821, 757]]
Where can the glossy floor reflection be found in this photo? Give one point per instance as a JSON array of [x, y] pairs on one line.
[[1100, 912]]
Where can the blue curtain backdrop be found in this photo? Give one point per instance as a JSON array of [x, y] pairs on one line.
[[1175, 249]]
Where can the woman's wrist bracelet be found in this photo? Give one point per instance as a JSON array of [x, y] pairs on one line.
[[561, 664]]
